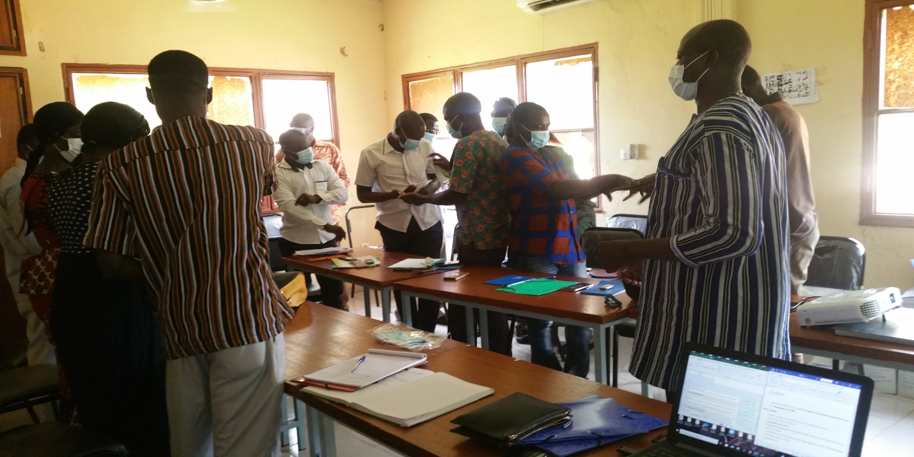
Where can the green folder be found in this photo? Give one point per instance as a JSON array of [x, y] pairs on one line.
[[536, 287]]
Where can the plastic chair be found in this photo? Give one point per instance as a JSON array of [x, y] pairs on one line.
[[636, 222], [590, 241], [838, 263]]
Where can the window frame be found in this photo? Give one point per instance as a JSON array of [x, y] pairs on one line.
[[520, 62], [872, 72], [256, 77], [13, 14]]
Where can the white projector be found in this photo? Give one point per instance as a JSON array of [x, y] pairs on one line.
[[849, 306]]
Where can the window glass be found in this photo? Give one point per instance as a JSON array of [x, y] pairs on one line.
[[565, 88], [233, 103], [284, 98], [90, 89], [894, 162], [489, 85], [898, 58], [429, 95]]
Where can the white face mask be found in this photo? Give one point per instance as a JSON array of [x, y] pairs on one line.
[[685, 91], [74, 148]]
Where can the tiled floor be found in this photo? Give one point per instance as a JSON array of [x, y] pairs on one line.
[[890, 428]]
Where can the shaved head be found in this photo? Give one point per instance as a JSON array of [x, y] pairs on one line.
[[752, 85], [728, 38], [409, 119], [302, 121], [751, 77], [462, 103], [527, 113]]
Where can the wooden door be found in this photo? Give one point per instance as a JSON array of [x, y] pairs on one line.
[[15, 111]]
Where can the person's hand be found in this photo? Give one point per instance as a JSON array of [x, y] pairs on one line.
[[643, 186], [413, 198], [613, 255], [305, 200], [412, 188], [440, 161], [630, 274], [619, 182], [337, 231]]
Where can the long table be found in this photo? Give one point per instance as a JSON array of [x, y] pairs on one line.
[[823, 342], [378, 278], [562, 307], [319, 336]]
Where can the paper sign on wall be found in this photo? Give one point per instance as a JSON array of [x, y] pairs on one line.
[[798, 87]]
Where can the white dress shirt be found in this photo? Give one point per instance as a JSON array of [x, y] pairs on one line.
[[384, 169], [303, 224], [16, 246]]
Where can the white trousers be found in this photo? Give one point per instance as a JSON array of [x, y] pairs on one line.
[[226, 403]]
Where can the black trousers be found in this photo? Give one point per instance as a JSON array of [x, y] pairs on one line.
[[425, 243], [499, 335], [331, 289]]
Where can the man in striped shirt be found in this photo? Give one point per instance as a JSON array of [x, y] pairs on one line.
[[186, 202], [715, 261]]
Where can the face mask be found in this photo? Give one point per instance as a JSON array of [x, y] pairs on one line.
[[538, 138], [685, 91], [454, 132], [303, 157], [409, 144], [498, 123], [429, 136], [75, 146], [306, 132]]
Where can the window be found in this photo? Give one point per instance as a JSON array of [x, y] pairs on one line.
[[263, 98], [11, 39], [563, 81], [888, 114]]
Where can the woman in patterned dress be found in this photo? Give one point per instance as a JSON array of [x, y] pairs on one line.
[[57, 126], [109, 341]]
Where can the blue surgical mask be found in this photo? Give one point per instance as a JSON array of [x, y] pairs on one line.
[[455, 132], [498, 124], [429, 136], [302, 157], [685, 90], [306, 132], [538, 138], [409, 144]]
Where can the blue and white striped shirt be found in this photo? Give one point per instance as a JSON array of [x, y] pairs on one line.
[[720, 196]]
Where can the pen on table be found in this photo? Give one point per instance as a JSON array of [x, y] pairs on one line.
[[356, 367]]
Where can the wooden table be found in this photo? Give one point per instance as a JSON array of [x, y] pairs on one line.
[[563, 307], [822, 341], [379, 278], [344, 335]]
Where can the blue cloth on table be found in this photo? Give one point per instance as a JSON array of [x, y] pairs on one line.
[[595, 421], [617, 287]]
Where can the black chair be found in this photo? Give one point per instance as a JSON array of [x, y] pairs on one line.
[[636, 222], [26, 387], [590, 242], [838, 263]]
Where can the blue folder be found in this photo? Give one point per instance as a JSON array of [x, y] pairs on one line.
[[616, 288], [596, 421], [507, 280]]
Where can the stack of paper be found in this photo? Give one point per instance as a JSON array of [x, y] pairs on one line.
[[410, 397], [416, 264], [357, 262], [357, 372], [324, 251]]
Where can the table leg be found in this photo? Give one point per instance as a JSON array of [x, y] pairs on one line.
[[600, 354], [406, 311], [367, 292], [484, 328], [385, 303], [314, 432], [328, 436], [471, 325], [647, 390]]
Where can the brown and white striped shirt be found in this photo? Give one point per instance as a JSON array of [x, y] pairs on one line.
[[187, 201]]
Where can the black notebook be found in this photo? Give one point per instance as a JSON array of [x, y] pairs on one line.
[[896, 328]]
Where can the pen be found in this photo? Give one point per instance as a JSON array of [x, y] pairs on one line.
[[356, 367]]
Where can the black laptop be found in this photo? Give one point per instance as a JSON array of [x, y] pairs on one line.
[[734, 404]]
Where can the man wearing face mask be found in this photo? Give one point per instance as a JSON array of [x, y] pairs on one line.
[[305, 191], [502, 108], [715, 261], [482, 207], [400, 163], [543, 234]]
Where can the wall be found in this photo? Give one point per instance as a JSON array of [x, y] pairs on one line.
[[301, 35], [828, 35]]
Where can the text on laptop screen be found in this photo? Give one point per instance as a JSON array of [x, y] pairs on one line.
[[765, 411]]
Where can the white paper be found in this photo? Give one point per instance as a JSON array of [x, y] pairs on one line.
[[885, 379], [378, 365], [415, 264], [348, 398], [798, 86], [905, 384], [324, 251]]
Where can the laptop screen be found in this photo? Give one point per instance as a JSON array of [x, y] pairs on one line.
[[760, 410]]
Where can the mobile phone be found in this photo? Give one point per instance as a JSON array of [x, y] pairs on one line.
[[576, 287], [455, 275]]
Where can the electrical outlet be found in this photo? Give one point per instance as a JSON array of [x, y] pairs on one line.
[[625, 154], [633, 151]]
